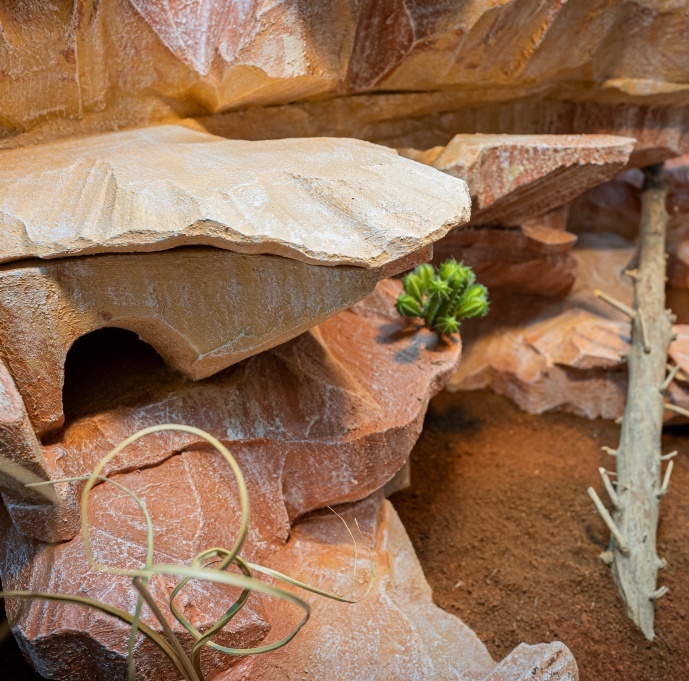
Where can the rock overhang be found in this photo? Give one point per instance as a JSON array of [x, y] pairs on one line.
[[324, 201]]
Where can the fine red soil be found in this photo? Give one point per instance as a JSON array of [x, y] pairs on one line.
[[509, 540]]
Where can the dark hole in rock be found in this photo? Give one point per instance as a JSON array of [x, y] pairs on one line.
[[112, 368]]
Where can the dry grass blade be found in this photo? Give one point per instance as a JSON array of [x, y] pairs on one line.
[[188, 666]]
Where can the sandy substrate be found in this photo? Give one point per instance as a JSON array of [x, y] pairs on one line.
[[509, 541]]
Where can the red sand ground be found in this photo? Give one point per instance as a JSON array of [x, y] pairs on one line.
[[509, 541], [507, 536]]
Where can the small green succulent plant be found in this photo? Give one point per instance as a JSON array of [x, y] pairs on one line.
[[444, 297]]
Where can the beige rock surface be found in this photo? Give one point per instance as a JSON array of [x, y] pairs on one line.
[[515, 177], [202, 309], [336, 410], [373, 69], [325, 201]]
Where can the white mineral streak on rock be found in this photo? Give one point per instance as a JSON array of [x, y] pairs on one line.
[[322, 201]]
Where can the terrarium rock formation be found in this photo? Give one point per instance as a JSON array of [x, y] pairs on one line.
[[321, 201], [317, 421], [327, 385], [533, 259], [303, 229], [404, 73], [567, 353], [398, 633]]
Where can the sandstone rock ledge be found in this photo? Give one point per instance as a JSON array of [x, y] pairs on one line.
[[323, 201]]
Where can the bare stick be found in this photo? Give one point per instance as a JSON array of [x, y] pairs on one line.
[[659, 593], [617, 304], [669, 378], [676, 409], [609, 450], [607, 519], [642, 328], [638, 455], [608, 487], [666, 480], [667, 457]]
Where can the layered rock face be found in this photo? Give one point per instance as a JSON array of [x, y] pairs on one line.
[[325, 202], [325, 419], [567, 353], [303, 229], [403, 72], [395, 632], [513, 178], [520, 187]]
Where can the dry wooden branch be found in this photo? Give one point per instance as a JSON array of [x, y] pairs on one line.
[[676, 409], [669, 378], [666, 480], [639, 455], [613, 302]]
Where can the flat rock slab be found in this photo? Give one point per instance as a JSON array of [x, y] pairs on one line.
[[515, 177], [336, 411], [323, 201], [202, 309]]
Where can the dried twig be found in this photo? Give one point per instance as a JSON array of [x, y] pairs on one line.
[[607, 519]]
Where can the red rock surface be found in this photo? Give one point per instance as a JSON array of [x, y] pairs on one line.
[[616, 207], [344, 401], [396, 632], [515, 177], [569, 354], [533, 259], [311, 423], [546, 354]]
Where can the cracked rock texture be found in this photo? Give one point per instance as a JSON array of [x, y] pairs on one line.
[[327, 418], [513, 178], [202, 309], [322, 201], [396, 632], [402, 72]]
